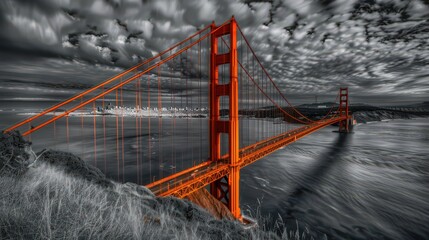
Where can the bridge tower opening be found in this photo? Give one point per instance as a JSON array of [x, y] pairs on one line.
[[226, 189], [344, 110]]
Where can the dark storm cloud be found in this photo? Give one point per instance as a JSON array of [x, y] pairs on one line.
[[376, 47]]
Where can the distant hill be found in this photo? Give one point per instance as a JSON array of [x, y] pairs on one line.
[[420, 105], [318, 105], [423, 105]]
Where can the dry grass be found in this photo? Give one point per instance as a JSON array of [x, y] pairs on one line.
[[46, 203], [60, 197]]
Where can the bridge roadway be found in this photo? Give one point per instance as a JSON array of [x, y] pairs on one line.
[[187, 181]]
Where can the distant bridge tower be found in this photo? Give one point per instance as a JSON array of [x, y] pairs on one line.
[[226, 189], [344, 110]]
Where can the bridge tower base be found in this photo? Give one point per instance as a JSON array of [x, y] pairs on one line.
[[226, 189]]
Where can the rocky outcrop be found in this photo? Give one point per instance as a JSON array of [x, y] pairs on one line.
[[73, 166], [215, 207], [15, 153]]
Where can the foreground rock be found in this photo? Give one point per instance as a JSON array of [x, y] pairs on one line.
[[14, 154]]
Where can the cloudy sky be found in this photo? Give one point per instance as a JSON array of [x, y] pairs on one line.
[[52, 49]]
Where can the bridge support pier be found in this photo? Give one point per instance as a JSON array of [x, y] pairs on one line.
[[226, 189]]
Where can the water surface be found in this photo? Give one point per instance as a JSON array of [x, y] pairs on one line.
[[372, 184]]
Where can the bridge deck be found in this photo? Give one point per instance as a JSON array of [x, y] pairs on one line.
[[192, 179]]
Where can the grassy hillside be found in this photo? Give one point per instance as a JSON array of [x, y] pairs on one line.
[[55, 195]]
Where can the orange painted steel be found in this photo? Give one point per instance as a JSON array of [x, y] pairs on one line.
[[122, 83], [234, 144], [222, 173], [344, 110], [269, 98], [215, 169], [259, 87], [265, 148], [214, 137], [55, 107], [176, 175], [210, 172], [229, 127], [269, 77], [193, 184]]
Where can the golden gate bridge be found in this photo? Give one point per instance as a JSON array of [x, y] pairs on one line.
[[213, 84]]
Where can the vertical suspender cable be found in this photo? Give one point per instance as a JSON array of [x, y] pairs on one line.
[[104, 134], [190, 68], [95, 133], [55, 133], [172, 119], [140, 131], [122, 134], [136, 112], [117, 132], [67, 132], [82, 136], [160, 160], [149, 138], [200, 157]]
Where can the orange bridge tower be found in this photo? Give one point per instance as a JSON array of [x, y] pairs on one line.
[[344, 110], [226, 189]]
